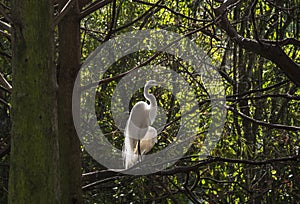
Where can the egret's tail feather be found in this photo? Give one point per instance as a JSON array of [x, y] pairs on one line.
[[129, 157], [134, 150]]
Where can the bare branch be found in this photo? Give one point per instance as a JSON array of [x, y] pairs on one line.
[[5, 83], [93, 7], [63, 11], [287, 41], [172, 11], [3, 11], [286, 96], [5, 26], [5, 54], [107, 80], [6, 34], [5, 150], [260, 90], [5, 144], [271, 52], [5, 103], [209, 160], [184, 169], [168, 191], [262, 123], [90, 185], [138, 18], [253, 162]]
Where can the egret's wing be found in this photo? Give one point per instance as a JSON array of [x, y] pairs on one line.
[[151, 133], [137, 128], [129, 157], [147, 143]]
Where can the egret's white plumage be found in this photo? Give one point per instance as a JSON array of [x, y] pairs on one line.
[[147, 143], [138, 131]]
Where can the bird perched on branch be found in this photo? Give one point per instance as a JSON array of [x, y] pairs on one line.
[[140, 137]]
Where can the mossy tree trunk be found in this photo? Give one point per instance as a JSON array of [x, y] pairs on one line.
[[68, 66], [34, 175]]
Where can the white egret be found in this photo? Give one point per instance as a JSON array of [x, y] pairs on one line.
[[140, 137]]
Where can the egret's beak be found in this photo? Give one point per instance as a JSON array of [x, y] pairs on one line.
[[161, 83]]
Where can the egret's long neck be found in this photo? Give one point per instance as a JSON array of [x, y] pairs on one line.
[[153, 104], [150, 97]]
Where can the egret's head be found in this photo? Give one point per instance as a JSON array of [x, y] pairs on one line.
[[148, 85], [152, 82]]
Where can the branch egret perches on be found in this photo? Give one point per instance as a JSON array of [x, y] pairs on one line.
[[140, 137]]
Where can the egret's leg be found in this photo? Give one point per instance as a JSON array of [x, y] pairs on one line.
[[139, 151]]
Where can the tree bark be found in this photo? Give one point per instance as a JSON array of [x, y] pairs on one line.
[[68, 66], [34, 144]]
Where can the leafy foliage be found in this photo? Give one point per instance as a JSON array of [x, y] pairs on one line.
[[257, 157]]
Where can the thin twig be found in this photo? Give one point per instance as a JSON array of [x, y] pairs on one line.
[[172, 11], [262, 123], [4, 13], [93, 7], [5, 26], [5, 83], [63, 12]]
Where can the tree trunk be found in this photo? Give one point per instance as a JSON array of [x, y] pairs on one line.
[[34, 147], [68, 66]]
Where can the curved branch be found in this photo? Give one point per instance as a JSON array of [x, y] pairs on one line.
[[262, 123], [271, 52], [144, 15], [93, 7], [172, 11], [3, 11], [5, 26], [5, 83], [4, 102], [6, 149], [209, 160], [66, 8], [7, 35], [109, 173], [286, 41]]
